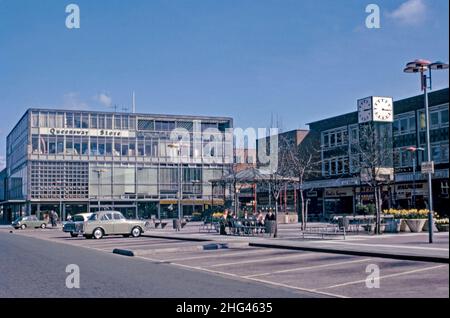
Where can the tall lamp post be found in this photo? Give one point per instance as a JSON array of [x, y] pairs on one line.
[[413, 153], [60, 183], [177, 146], [99, 172], [422, 66]]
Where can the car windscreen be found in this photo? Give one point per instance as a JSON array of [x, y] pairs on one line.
[[78, 218]]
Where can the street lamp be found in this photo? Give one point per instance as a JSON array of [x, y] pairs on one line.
[[194, 183], [99, 171], [422, 66], [413, 153], [60, 183], [177, 146]]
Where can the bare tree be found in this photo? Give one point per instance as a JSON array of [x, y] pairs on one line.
[[375, 161], [302, 162]]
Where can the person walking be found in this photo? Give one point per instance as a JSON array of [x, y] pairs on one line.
[[54, 218]]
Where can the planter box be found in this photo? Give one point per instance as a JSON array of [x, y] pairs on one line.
[[425, 227], [416, 225], [442, 227], [393, 226], [404, 226]]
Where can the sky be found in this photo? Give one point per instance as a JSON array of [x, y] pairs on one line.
[[253, 60]]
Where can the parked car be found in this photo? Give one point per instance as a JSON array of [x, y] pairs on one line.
[[76, 226], [104, 223], [30, 221]]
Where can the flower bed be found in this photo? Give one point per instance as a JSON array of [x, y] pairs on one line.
[[412, 220], [442, 225]]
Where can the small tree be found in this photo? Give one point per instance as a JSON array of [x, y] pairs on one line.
[[302, 161], [375, 161]]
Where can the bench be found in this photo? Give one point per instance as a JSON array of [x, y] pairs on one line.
[[323, 231], [209, 226], [247, 228]]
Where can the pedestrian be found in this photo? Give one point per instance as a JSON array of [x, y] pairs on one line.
[[223, 223], [69, 218], [50, 216], [54, 218]]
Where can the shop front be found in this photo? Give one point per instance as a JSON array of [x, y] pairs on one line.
[[410, 195], [338, 201]]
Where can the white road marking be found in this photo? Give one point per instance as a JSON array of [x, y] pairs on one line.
[[311, 267], [386, 276], [262, 260], [259, 280], [225, 254], [394, 246]]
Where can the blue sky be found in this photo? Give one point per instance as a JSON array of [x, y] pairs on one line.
[[298, 60]]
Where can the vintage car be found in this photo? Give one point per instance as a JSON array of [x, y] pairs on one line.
[[112, 223], [30, 221], [76, 225]]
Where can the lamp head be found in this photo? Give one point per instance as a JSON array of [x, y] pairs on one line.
[[439, 66]]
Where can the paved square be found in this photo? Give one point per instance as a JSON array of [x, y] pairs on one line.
[[324, 273]]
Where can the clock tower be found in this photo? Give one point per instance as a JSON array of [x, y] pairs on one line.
[[375, 109], [375, 118]]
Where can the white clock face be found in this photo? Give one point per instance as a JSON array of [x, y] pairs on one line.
[[365, 110], [383, 109]]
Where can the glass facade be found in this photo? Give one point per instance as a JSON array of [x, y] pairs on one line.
[[131, 162]]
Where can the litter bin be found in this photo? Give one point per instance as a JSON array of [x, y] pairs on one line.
[[177, 224]]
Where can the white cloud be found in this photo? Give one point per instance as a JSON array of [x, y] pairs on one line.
[[104, 99], [72, 101], [410, 12]]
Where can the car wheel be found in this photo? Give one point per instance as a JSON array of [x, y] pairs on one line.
[[23, 226], [43, 226], [98, 233], [74, 234], [136, 231]]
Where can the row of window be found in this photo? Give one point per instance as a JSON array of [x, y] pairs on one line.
[[111, 121], [335, 138], [335, 166], [405, 158], [407, 124], [104, 146]]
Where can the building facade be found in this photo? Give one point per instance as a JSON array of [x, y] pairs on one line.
[[338, 189], [143, 165]]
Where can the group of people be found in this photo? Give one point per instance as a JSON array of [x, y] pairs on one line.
[[51, 217], [257, 219]]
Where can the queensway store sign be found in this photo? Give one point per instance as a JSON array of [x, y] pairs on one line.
[[86, 132]]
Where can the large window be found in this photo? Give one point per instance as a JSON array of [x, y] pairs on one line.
[[335, 138], [85, 121], [94, 121], [438, 118], [77, 121], [35, 119], [335, 166], [94, 147], [69, 120], [404, 125], [43, 119], [60, 120], [35, 144]]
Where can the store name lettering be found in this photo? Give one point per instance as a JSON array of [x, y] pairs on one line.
[[81, 132]]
